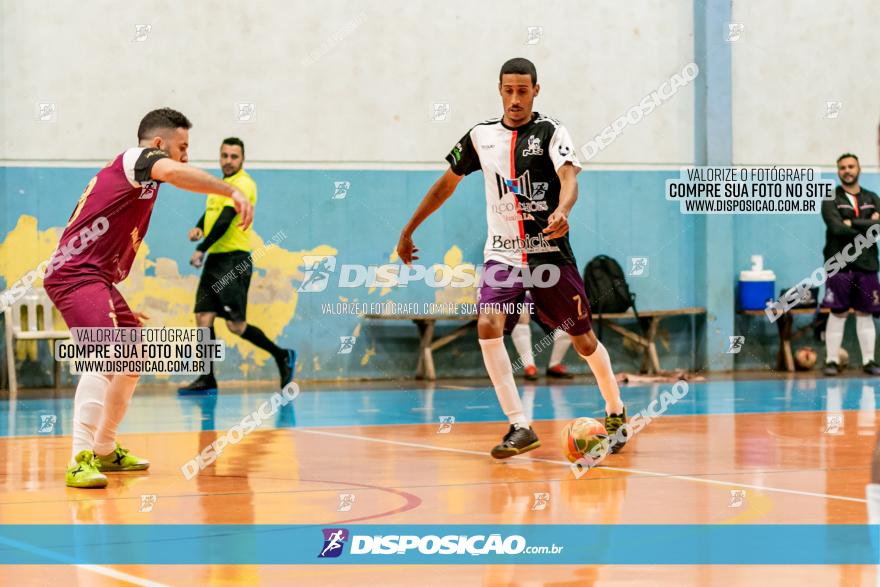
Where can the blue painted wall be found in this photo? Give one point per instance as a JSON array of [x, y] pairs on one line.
[[620, 213]]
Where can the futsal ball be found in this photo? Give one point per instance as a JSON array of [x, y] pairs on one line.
[[585, 438], [805, 358], [843, 358]]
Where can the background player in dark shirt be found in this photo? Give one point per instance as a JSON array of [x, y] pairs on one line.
[[119, 199], [852, 211], [529, 169]]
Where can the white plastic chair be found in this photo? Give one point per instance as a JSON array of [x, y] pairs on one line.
[[28, 328]]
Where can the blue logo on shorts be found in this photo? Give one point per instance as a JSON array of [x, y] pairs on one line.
[[334, 540]]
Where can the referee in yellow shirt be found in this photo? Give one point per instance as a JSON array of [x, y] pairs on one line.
[[223, 287]]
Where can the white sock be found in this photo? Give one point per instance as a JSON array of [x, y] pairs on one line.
[[560, 346], [88, 405], [116, 402], [867, 336], [600, 365], [522, 340], [834, 337], [501, 373]]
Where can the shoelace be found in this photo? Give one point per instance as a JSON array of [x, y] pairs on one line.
[[93, 462]]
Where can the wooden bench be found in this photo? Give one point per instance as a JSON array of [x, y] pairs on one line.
[[784, 356], [650, 322], [427, 343]]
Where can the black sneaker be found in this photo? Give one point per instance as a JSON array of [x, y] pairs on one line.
[[613, 422], [517, 441], [872, 368], [203, 385], [287, 368], [831, 369]]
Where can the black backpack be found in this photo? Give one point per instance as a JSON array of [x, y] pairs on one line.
[[606, 287]]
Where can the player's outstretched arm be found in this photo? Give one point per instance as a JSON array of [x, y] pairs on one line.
[[192, 179], [568, 193], [439, 193]]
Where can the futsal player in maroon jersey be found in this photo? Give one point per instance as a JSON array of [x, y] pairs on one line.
[[95, 252]]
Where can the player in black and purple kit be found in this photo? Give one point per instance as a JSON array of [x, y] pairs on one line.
[[529, 168], [119, 201], [851, 213]]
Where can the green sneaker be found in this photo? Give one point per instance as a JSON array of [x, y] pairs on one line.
[[613, 422], [84, 474], [121, 460]]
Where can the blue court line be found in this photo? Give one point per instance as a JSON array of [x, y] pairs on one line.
[[169, 413]]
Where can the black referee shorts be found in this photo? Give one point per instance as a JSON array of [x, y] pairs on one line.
[[223, 287]]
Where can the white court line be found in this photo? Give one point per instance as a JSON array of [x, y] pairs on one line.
[[97, 569], [568, 465]]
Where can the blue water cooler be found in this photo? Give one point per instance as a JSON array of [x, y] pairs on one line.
[[757, 285]]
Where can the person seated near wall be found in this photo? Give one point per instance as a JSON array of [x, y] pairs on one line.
[[851, 213]]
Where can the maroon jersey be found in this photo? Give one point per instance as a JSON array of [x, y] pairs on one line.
[[110, 220]]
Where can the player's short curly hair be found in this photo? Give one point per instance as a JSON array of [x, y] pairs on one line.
[[846, 156], [161, 119], [519, 65]]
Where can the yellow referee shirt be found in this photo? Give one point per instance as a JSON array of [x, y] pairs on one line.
[[234, 239]]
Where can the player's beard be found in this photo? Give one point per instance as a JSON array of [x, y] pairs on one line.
[[852, 182]]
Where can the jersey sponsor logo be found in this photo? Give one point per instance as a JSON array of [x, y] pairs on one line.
[[534, 147], [521, 186], [507, 207], [534, 243], [456, 152], [564, 150], [487, 146], [539, 190]]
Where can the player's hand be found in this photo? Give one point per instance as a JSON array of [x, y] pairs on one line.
[[197, 259], [196, 234], [875, 216], [558, 224], [244, 208], [141, 317], [406, 249], [848, 222]]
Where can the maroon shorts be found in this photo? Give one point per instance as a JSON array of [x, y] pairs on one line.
[[563, 305], [93, 304]]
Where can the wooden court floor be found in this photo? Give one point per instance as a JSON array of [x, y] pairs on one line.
[[764, 468]]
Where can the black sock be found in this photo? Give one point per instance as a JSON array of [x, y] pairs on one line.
[[257, 337]]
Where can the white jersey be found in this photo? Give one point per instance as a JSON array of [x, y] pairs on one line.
[[522, 186]]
